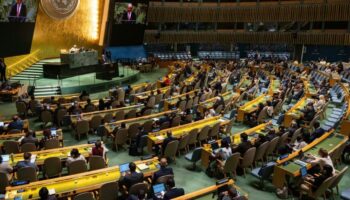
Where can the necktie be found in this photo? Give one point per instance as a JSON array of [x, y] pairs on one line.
[[18, 9]]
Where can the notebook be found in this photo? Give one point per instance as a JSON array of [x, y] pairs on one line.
[[142, 166]]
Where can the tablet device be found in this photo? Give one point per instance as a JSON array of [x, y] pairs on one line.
[[158, 190], [124, 167], [303, 171]]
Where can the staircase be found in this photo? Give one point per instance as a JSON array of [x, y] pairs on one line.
[[47, 90], [33, 72]]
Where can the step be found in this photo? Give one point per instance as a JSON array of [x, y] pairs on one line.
[[46, 93], [27, 76], [46, 89], [48, 86], [33, 70], [36, 67], [29, 73]]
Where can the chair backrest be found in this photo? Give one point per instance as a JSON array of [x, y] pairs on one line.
[[131, 114], [282, 140], [182, 105], [267, 170], [52, 143], [159, 98], [46, 116], [82, 127], [4, 182], [121, 137], [27, 174], [171, 149], [151, 102], [336, 155], [192, 136], [183, 142], [60, 115], [338, 177], [11, 147], [119, 115], [84, 196], [232, 163], [260, 152], [90, 108], [196, 155], [52, 167], [21, 107], [176, 121], [262, 115], [143, 141], [133, 130], [219, 109], [189, 104], [147, 112], [96, 162], [203, 134], [248, 157], [96, 121], [323, 187], [148, 126], [164, 125], [295, 135], [136, 188], [108, 117], [195, 100], [214, 131], [77, 166], [28, 147], [108, 191], [164, 179], [272, 146]]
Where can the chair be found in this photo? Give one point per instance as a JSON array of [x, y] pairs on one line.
[[143, 143], [119, 115], [264, 172], [147, 112], [52, 143], [164, 125], [90, 108], [182, 105], [218, 109], [121, 137], [337, 180], [151, 102], [61, 113], [95, 122], [84, 196], [282, 141], [46, 117], [82, 128], [171, 150], [203, 134], [214, 131], [136, 188], [194, 157], [192, 140], [148, 126], [321, 191], [295, 135], [21, 108], [231, 165], [189, 104], [164, 179], [4, 182], [108, 191], [260, 152], [11, 147], [52, 167], [337, 154], [28, 147], [262, 115], [271, 147], [183, 144], [96, 162], [27, 174], [176, 121], [159, 98], [77, 167], [248, 159], [133, 130], [131, 114], [108, 118]]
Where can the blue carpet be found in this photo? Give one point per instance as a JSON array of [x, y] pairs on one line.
[[128, 52]]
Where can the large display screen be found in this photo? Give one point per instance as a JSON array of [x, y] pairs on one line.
[[18, 10], [128, 23], [17, 23]]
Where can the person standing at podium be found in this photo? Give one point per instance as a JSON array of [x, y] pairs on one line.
[[18, 12], [129, 17]]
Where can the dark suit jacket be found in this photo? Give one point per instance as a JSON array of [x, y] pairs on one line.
[[131, 179], [125, 19], [166, 141], [162, 172], [243, 147], [22, 14], [173, 193]]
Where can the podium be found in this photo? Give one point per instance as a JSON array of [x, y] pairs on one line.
[[80, 59]]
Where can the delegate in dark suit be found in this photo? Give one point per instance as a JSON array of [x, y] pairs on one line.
[[131, 178], [163, 171], [18, 12], [129, 18]]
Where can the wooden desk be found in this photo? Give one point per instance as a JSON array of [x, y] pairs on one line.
[[294, 112], [243, 84], [111, 126], [208, 190], [67, 97], [140, 97], [25, 124], [158, 137], [88, 116], [160, 82], [208, 104], [78, 183], [39, 135], [345, 124], [171, 102], [309, 88], [235, 140], [329, 141], [62, 153], [251, 106]]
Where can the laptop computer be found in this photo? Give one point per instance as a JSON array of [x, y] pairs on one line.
[[159, 190], [124, 168], [53, 132], [214, 145], [303, 171]]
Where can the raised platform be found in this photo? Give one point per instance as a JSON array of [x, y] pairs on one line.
[[88, 82]]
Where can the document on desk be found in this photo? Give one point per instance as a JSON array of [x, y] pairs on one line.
[[142, 166], [33, 159], [160, 137]]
